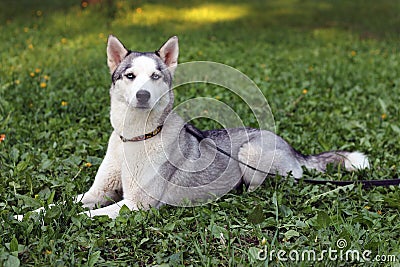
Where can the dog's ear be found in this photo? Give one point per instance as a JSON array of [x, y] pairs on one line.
[[116, 52], [169, 53]]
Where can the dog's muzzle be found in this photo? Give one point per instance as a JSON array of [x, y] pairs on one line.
[[143, 96]]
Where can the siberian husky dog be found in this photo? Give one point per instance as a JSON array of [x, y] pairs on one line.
[[154, 157]]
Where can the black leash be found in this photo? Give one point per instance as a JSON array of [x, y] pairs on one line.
[[365, 183]]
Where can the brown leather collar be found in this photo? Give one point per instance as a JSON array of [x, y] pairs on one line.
[[142, 137]]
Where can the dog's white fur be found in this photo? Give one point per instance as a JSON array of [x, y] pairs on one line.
[[140, 171]]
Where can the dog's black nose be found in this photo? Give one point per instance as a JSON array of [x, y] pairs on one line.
[[142, 96]]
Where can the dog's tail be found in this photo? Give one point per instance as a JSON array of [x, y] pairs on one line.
[[351, 161]]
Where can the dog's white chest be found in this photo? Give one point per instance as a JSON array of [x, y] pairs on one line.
[[141, 162]]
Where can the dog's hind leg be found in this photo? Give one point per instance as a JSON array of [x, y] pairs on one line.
[[251, 154], [270, 158]]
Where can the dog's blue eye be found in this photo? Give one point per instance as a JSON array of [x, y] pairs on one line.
[[155, 76], [130, 76]]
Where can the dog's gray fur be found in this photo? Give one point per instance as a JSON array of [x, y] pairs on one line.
[[176, 167]]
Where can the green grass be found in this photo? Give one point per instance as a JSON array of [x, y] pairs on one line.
[[344, 53]]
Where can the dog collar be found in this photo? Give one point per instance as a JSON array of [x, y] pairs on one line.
[[143, 136]]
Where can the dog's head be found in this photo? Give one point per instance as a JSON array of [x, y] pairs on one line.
[[142, 79]]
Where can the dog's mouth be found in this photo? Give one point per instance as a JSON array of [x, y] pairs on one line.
[[140, 106], [133, 104]]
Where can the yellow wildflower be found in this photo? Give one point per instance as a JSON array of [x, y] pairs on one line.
[[30, 46], [32, 74], [353, 53], [64, 103], [139, 10], [43, 85], [2, 137], [305, 91], [37, 70], [88, 164], [263, 241], [383, 116]]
